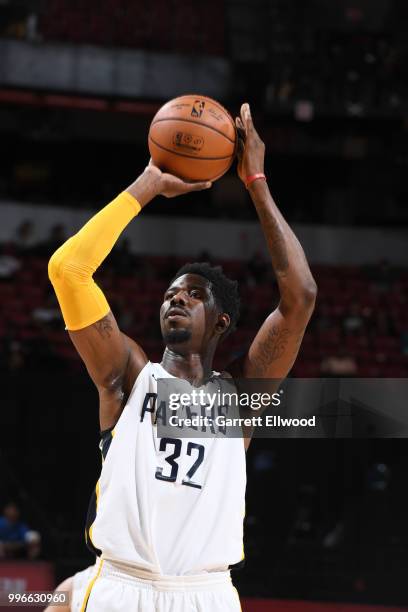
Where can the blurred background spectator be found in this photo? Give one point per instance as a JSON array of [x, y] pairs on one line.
[[16, 539]]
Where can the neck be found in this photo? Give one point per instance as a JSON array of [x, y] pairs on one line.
[[193, 367]]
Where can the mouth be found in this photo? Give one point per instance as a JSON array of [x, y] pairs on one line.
[[173, 313]]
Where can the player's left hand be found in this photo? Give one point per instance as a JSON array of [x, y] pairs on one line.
[[171, 186], [251, 149]]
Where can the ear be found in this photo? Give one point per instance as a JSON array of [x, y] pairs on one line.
[[223, 323]]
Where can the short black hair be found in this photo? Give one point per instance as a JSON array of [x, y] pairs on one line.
[[224, 289]]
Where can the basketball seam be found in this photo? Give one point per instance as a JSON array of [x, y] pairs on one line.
[[185, 154], [196, 123]]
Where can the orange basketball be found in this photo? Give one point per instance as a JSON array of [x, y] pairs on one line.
[[193, 137]]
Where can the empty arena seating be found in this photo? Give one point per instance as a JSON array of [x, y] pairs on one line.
[[357, 315], [184, 27]]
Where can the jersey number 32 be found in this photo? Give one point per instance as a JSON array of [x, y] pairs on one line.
[[193, 449]]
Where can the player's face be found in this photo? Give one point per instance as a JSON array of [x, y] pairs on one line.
[[189, 312]]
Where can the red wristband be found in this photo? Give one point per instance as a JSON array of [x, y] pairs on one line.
[[254, 177]]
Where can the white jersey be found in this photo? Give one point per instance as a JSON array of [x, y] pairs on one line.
[[146, 516]]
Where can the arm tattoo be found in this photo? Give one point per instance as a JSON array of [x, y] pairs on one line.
[[274, 346], [271, 348], [104, 326], [275, 239]]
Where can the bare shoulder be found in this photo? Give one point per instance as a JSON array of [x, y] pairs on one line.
[[136, 363], [65, 586], [136, 352]]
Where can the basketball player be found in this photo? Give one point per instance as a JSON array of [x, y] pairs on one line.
[[168, 518]]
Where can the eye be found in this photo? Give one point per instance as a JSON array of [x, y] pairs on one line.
[[195, 293], [168, 295]]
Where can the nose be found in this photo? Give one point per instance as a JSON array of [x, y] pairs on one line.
[[178, 299]]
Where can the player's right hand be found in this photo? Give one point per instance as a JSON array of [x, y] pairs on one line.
[[251, 149], [171, 186]]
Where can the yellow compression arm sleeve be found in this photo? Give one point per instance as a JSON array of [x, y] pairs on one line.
[[71, 267]]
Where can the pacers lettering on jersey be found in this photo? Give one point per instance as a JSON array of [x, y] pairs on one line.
[[200, 418], [150, 405]]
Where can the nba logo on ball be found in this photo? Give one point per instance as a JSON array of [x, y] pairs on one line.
[[198, 108]]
